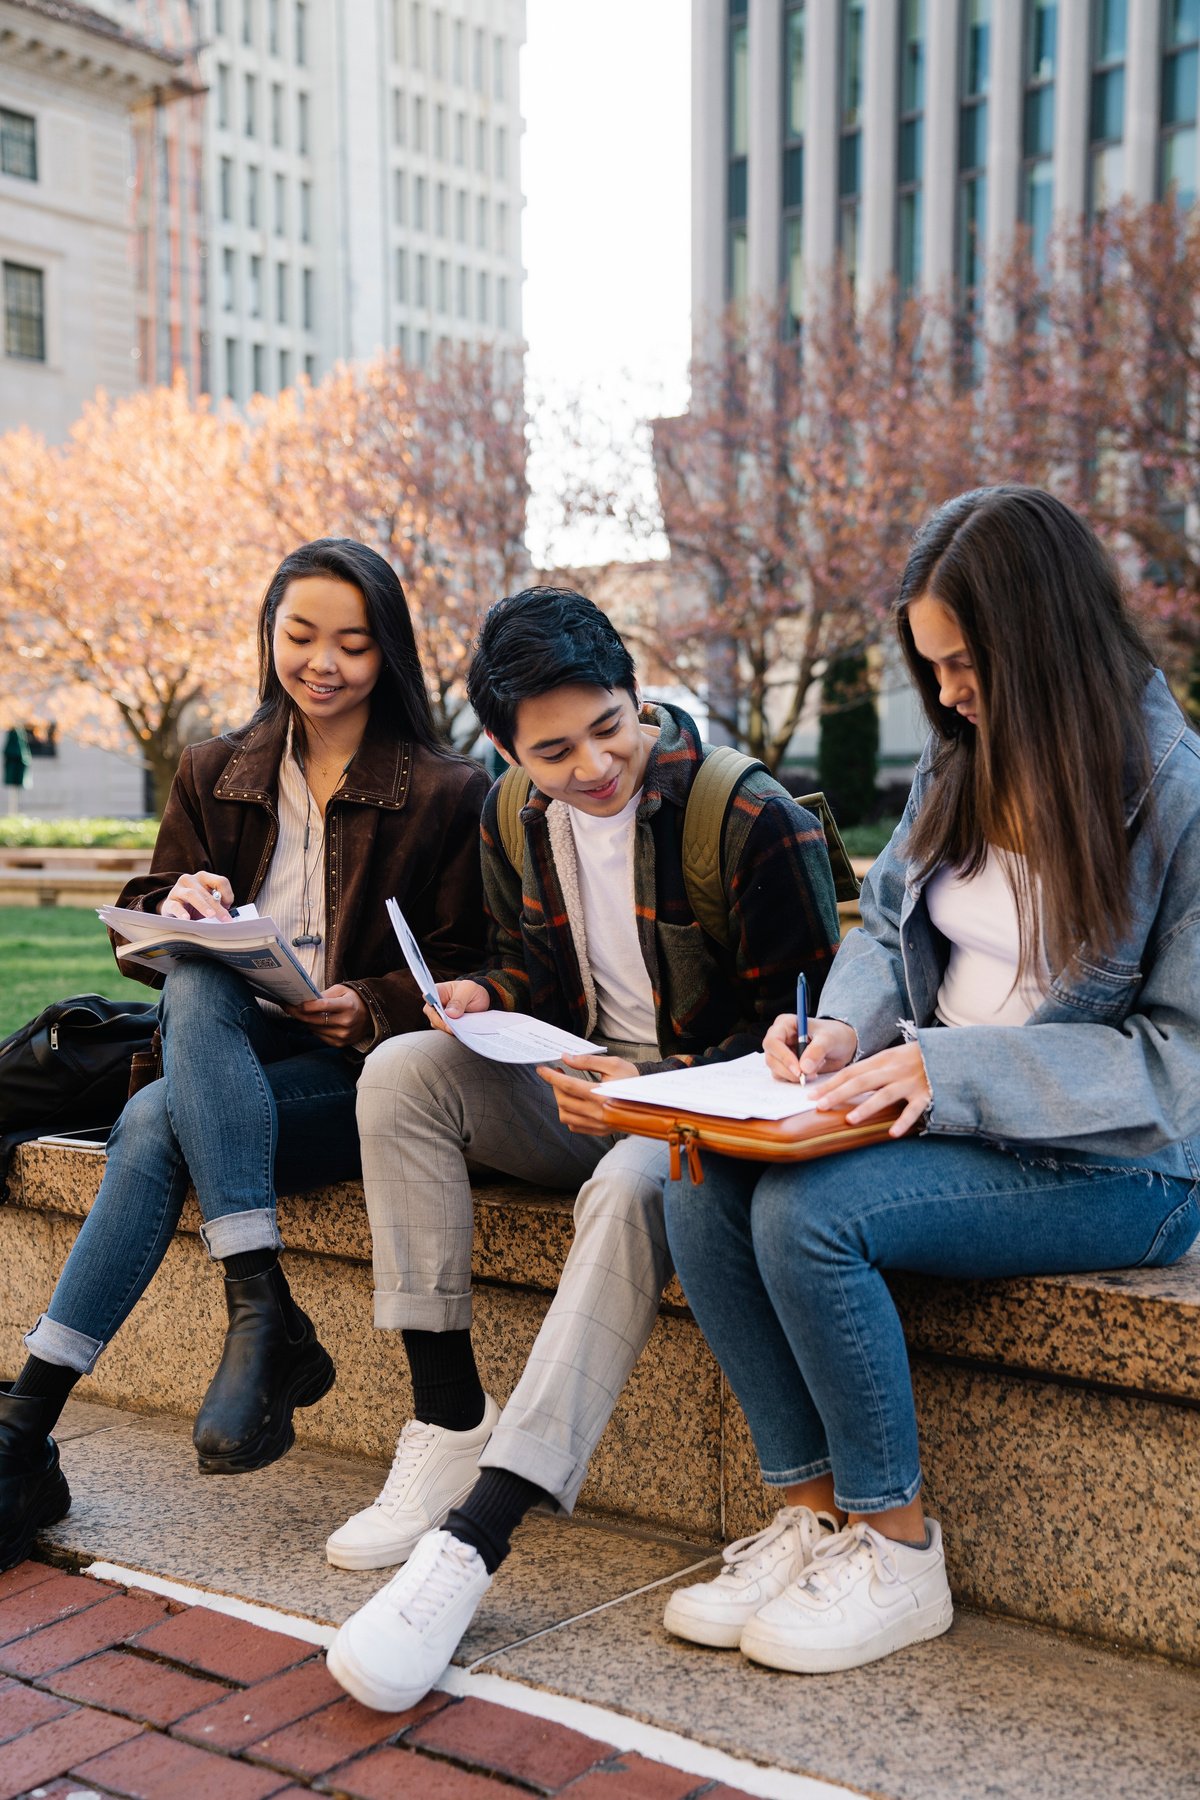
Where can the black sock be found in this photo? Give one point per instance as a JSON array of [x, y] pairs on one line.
[[491, 1513], [249, 1262], [40, 1380], [447, 1390]]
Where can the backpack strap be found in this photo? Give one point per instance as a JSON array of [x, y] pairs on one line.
[[715, 837], [514, 792]]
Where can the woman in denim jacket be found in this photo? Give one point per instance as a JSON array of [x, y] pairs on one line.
[[1041, 900]]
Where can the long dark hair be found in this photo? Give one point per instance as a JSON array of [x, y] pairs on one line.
[[400, 696], [1061, 668]]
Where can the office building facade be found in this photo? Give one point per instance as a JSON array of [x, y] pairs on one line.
[[911, 137]]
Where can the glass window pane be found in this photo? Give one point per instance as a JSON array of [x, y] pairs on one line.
[[850, 164], [1182, 24], [909, 260], [739, 268], [1180, 74], [912, 57], [852, 60], [1108, 176], [795, 73], [972, 137], [1108, 105], [739, 91], [1179, 166], [972, 230], [794, 253], [793, 176], [1039, 121], [1110, 30], [912, 149], [1041, 34], [737, 188], [1038, 207], [977, 33]]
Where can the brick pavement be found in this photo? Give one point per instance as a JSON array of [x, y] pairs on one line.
[[123, 1694]]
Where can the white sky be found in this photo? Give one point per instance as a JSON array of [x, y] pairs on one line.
[[605, 88]]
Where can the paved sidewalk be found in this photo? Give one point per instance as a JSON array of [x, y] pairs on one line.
[[104, 1691]]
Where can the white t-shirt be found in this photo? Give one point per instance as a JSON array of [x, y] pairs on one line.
[[604, 855], [979, 918]]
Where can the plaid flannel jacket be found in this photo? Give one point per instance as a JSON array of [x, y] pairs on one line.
[[711, 1004]]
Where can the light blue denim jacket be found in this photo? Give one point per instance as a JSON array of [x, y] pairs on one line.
[[1107, 1069]]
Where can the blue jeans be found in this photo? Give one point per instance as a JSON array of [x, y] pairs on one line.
[[236, 1082], [784, 1269]]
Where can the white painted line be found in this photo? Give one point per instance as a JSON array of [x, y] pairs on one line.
[[615, 1728]]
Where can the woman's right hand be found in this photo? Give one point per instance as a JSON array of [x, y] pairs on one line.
[[199, 896], [831, 1045], [458, 997]]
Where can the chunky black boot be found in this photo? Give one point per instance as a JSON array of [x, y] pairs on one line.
[[271, 1364], [33, 1489]]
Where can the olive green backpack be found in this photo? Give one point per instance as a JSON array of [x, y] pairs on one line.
[[706, 843]]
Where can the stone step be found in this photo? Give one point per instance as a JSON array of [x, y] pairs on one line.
[[1060, 1417], [991, 1708]]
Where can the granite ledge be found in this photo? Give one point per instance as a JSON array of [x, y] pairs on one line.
[[1134, 1329]]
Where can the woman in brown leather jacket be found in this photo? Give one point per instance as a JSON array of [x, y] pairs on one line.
[[337, 794]]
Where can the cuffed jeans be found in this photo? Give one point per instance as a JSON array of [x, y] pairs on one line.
[[784, 1270], [249, 1104], [426, 1104]]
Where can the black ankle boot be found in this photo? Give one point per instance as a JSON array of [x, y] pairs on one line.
[[33, 1489], [265, 1372]]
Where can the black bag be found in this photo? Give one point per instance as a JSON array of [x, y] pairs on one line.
[[69, 1068]]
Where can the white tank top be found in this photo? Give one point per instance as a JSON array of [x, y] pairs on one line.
[[979, 918]]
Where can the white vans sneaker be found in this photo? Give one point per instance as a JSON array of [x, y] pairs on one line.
[[756, 1570], [391, 1651], [861, 1597], [432, 1471]]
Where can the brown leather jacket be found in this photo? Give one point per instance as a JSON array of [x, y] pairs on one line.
[[405, 823]]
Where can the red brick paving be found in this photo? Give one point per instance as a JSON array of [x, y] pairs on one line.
[[83, 1634], [134, 1686], [122, 1692]]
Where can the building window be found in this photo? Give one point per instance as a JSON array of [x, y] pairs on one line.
[[416, 35], [1180, 74], [255, 286], [223, 106], [24, 312], [306, 212], [911, 147], [422, 280], [480, 147], [462, 281], [439, 133], [231, 369], [974, 81], [498, 62], [402, 342], [218, 17], [481, 223], [794, 101], [301, 34], [225, 183], [1106, 160], [1037, 167], [308, 299], [850, 212], [250, 107], [258, 369], [460, 140], [399, 117], [402, 276], [501, 161], [420, 187], [477, 60], [273, 27], [481, 296], [280, 205], [247, 21], [502, 302], [459, 65], [460, 216], [738, 78], [443, 287], [277, 114], [418, 123], [281, 293], [502, 227], [399, 194], [302, 124], [310, 367], [440, 198], [228, 280], [423, 349], [252, 192], [285, 369], [437, 31]]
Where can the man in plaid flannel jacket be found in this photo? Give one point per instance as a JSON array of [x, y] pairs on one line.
[[594, 933]]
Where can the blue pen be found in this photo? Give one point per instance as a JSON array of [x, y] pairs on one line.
[[801, 1017]]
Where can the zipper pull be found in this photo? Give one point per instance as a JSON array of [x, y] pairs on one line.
[[673, 1141], [695, 1167], [54, 1037]]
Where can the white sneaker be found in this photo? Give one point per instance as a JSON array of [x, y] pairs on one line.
[[391, 1651], [432, 1471], [756, 1570], [861, 1597]]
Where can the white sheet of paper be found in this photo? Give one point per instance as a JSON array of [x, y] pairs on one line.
[[509, 1037], [741, 1089]]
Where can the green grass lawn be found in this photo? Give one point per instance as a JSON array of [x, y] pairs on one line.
[[50, 952]]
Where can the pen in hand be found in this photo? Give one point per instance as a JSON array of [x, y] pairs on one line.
[[802, 1020]]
